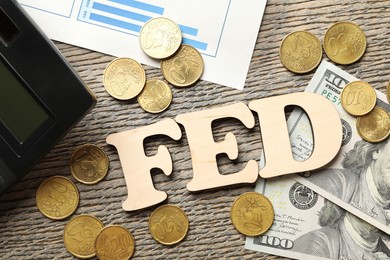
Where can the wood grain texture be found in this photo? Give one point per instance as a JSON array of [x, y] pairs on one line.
[[26, 234]]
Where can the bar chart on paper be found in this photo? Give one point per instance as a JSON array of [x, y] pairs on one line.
[[128, 16], [224, 31]]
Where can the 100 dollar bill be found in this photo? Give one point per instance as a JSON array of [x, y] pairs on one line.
[[351, 179], [307, 226]]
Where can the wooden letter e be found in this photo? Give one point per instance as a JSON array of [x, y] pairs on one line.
[[204, 149]]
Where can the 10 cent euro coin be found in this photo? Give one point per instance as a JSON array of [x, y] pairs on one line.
[[156, 96], [358, 98], [300, 52], [89, 164], [252, 214]]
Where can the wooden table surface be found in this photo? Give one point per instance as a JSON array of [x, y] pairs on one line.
[[26, 234]]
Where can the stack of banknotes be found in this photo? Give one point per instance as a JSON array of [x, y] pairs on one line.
[[340, 211]]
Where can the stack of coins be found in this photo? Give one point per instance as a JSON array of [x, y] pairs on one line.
[[358, 98], [181, 65], [85, 236], [58, 197], [344, 43]]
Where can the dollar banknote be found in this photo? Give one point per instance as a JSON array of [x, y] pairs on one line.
[[307, 226], [358, 179]]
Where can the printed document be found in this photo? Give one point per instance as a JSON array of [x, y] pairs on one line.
[[224, 31]]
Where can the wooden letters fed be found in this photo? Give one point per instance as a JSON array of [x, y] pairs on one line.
[[327, 135]]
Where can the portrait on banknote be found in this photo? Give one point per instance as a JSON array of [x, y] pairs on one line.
[[363, 181], [342, 236], [308, 226]]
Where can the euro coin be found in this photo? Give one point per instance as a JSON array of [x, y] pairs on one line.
[[80, 234], [388, 92], [184, 68], [358, 98], [252, 214], [168, 224], [124, 78], [375, 126], [89, 164], [155, 97], [345, 43], [300, 52], [114, 242], [57, 197], [160, 37]]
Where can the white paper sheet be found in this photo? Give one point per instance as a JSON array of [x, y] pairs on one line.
[[224, 31]]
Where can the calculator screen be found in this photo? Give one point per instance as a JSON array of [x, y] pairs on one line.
[[20, 112]]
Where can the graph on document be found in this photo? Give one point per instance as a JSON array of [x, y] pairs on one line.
[[203, 27]]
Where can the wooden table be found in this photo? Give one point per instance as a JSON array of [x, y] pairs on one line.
[[26, 234]]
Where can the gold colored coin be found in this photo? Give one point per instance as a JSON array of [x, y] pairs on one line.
[[375, 126], [345, 43], [252, 214], [300, 52], [57, 197], [168, 224], [358, 98], [388, 92], [80, 234], [184, 68], [160, 38], [114, 242], [124, 78], [155, 97], [89, 164]]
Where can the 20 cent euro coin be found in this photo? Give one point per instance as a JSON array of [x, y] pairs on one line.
[[252, 214], [160, 37], [375, 126], [184, 68], [168, 224], [124, 78], [114, 242]]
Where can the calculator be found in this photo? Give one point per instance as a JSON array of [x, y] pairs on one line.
[[41, 96]]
